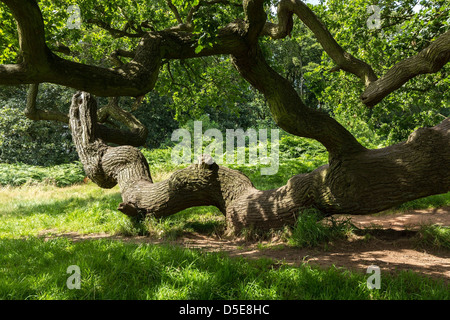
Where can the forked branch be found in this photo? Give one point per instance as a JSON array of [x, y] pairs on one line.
[[429, 60], [345, 61]]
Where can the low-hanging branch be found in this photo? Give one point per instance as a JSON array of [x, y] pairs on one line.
[[355, 181], [429, 60], [32, 113], [367, 182]]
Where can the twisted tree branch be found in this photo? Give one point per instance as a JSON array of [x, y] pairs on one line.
[[345, 61], [367, 182], [31, 111], [287, 108], [429, 60]]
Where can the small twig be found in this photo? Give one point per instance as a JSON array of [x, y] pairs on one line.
[[174, 11], [116, 33]]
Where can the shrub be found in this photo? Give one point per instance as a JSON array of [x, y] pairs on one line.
[[60, 175]]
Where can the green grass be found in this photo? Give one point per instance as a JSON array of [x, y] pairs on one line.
[[33, 210], [52, 201], [435, 201], [29, 210], [204, 220], [435, 236], [36, 269], [310, 231]]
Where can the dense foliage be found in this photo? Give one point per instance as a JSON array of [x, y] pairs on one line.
[[209, 89], [405, 28], [34, 142]]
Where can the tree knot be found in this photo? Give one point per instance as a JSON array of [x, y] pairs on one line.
[[205, 161]]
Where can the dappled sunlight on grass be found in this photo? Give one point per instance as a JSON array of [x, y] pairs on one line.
[[37, 210], [33, 263], [37, 269]]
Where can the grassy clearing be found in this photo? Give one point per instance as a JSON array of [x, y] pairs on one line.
[[33, 210], [29, 210], [37, 269], [31, 268]]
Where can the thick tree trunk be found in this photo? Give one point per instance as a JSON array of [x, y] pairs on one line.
[[358, 183]]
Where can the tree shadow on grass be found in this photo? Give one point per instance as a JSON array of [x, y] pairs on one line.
[[37, 269]]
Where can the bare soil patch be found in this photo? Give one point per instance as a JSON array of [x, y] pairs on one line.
[[392, 245]]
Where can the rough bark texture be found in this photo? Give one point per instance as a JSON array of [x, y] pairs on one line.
[[366, 182]]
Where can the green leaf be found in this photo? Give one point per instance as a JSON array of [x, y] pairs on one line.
[[199, 49]]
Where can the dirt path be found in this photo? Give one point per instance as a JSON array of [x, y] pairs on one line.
[[392, 246]]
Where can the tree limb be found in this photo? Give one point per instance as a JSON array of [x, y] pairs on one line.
[[367, 182], [345, 61], [135, 78], [135, 136], [34, 51], [116, 33], [31, 112], [114, 56], [138, 76], [429, 60], [174, 11], [287, 108]]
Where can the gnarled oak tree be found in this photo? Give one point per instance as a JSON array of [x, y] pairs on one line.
[[356, 180]]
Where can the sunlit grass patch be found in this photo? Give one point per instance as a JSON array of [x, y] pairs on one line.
[[434, 201], [435, 236], [30, 210]]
